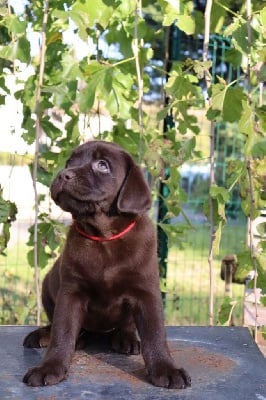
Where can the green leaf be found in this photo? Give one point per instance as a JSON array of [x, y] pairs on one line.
[[3, 85], [187, 148], [47, 242], [199, 22], [50, 129], [212, 115], [43, 257], [120, 36], [220, 193], [178, 86], [263, 302], [259, 146], [261, 280], [244, 266], [226, 311], [240, 37], [64, 95], [218, 96], [124, 9], [217, 19], [233, 57], [201, 67], [245, 206], [206, 210], [82, 21], [86, 97], [263, 17], [163, 285], [232, 27], [163, 113], [119, 99], [261, 229], [170, 11], [43, 175], [18, 50], [217, 239], [236, 170], [221, 196], [99, 11], [251, 143], [23, 50], [233, 107], [261, 118], [180, 13], [129, 27], [70, 67], [99, 81], [246, 122], [8, 211], [15, 24], [228, 100], [186, 24]]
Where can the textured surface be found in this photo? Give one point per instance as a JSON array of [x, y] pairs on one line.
[[224, 363]]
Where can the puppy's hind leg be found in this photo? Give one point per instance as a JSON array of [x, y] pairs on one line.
[[38, 338], [125, 339], [41, 336]]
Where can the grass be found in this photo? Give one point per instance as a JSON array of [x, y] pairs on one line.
[[12, 159], [187, 300], [15, 285], [17, 290]]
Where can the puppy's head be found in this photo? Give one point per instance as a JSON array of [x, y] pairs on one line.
[[101, 177]]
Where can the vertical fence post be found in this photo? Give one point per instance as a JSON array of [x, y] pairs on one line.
[[161, 235], [172, 53]]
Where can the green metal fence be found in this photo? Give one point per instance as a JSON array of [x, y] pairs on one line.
[[187, 299]]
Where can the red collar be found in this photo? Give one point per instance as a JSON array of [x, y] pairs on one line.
[[103, 239]]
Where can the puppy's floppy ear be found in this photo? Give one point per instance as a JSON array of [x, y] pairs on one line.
[[134, 196]]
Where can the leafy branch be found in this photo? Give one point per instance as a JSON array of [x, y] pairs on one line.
[[207, 17], [8, 211], [136, 49]]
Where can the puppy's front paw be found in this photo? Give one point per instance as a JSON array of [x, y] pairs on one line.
[[168, 376], [46, 374]]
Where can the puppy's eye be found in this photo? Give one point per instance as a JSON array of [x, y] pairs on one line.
[[101, 166]]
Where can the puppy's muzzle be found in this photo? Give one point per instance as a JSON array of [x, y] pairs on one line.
[[63, 180], [66, 175]]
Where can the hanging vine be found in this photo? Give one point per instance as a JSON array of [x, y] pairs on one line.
[[252, 206], [136, 46]]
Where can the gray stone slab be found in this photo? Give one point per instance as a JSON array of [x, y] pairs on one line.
[[224, 363]]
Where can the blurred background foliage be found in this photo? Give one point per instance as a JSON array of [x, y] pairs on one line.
[[133, 73]]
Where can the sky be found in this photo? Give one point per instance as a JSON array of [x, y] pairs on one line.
[[18, 5]]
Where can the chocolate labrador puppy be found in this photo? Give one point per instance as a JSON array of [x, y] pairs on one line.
[[106, 279]]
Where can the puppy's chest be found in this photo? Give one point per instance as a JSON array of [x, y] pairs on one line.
[[107, 283], [108, 261], [105, 298], [111, 270]]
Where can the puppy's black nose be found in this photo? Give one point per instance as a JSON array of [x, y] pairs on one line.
[[66, 175]]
